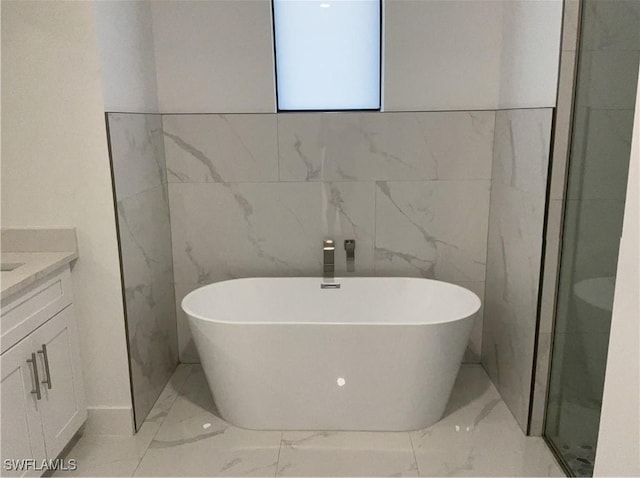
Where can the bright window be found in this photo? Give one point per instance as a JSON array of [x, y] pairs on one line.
[[327, 54]]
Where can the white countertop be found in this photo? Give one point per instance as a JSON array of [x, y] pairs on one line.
[[39, 251], [35, 266]]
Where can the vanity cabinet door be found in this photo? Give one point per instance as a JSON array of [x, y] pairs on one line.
[[22, 437], [57, 350]]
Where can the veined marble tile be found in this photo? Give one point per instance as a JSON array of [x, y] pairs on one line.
[[471, 452], [507, 364], [521, 149], [105, 455], [221, 148], [514, 253], [479, 437], [194, 401], [194, 441], [474, 349], [145, 242], [513, 273], [346, 454], [433, 229], [186, 347], [173, 389], [601, 172], [224, 231], [202, 459], [137, 152], [385, 146], [514, 248], [110, 455]]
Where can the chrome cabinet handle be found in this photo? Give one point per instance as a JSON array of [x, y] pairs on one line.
[[32, 361], [46, 365]]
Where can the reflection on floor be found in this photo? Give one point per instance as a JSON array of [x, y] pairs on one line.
[[573, 429], [580, 458], [183, 437]]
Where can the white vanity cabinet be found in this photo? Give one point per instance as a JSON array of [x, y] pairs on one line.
[[21, 426], [42, 387]]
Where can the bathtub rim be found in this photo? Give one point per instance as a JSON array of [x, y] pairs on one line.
[[192, 315]]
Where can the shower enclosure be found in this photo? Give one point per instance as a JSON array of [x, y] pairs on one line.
[[606, 81]]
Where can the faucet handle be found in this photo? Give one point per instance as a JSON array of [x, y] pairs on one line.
[[350, 245]]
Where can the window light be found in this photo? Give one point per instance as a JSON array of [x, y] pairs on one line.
[[327, 54]]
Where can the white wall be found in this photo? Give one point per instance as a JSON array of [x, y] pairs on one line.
[[217, 56], [125, 40], [55, 172], [486, 54], [619, 436], [214, 56], [530, 53]]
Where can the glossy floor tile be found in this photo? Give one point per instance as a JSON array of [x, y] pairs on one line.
[[106, 455], [346, 454], [183, 436], [478, 436]]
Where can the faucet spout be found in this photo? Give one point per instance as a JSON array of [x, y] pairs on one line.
[[328, 251]]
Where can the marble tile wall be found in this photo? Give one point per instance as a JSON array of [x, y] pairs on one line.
[[139, 173], [255, 195], [518, 196]]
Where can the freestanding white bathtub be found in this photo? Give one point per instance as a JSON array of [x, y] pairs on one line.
[[375, 354]]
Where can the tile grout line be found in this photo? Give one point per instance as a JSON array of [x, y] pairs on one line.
[[415, 459], [179, 390], [329, 180], [275, 473]]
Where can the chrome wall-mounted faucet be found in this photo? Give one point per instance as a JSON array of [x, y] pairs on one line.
[[328, 254], [350, 247]]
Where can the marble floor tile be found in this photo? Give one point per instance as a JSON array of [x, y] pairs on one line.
[[107, 455], [170, 393], [346, 454], [478, 436], [194, 441], [211, 456], [110, 455], [184, 436]]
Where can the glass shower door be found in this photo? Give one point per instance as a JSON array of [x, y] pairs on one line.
[[594, 204]]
